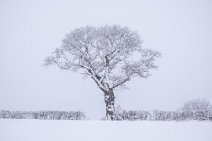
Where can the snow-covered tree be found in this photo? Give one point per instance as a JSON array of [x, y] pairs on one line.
[[197, 105], [109, 55], [196, 109]]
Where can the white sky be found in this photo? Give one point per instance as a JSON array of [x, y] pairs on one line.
[[30, 30]]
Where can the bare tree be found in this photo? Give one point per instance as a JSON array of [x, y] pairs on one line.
[[107, 55], [197, 109], [197, 105]]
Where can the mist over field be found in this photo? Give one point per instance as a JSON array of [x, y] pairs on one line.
[[65, 65], [31, 30]]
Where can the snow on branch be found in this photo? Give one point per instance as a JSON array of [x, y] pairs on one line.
[[105, 54]]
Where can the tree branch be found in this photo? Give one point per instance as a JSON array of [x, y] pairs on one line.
[[121, 83]]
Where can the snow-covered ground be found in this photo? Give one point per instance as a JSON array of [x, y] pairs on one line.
[[52, 130]]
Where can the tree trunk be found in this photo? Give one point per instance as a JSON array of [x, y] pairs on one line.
[[109, 102]]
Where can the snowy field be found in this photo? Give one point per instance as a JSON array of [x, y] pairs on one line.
[[51, 130]]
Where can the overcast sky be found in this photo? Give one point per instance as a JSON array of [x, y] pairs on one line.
[[30, 30]]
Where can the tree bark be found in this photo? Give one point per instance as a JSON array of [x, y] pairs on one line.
[[110, 104]]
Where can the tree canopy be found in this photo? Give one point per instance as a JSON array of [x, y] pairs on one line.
[[110, 55]]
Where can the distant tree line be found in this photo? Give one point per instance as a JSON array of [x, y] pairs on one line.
[[197, 109], [45, 115]]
